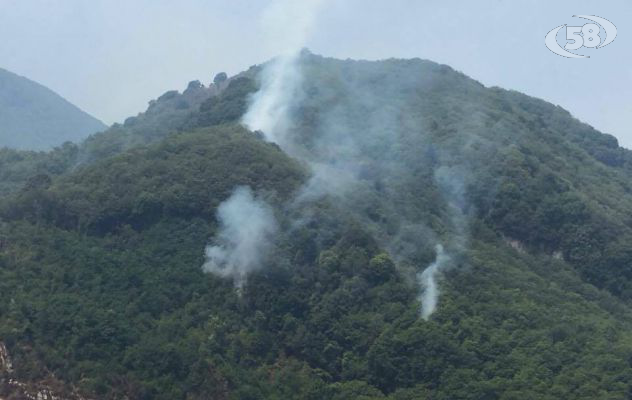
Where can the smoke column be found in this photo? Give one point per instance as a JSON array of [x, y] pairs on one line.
[[287, 24], [247, 224], [243, 241], [342, 153], [451, 182], [428, 281]]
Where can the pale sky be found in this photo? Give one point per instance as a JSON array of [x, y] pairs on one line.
[[110, 57]]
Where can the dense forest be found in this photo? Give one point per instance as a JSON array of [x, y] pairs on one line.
[[102, 245]]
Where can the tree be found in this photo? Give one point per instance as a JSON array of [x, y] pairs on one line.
[[220, 78]]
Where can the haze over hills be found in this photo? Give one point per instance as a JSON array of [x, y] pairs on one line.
[[397, 231], [32, 117]]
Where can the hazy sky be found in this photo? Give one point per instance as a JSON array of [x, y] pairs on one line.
[[110, 57]]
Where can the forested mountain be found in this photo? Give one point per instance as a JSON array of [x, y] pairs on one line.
[[32, 117], [102, 246]]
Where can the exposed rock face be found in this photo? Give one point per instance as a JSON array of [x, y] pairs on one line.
[[11, 388], [5, 362], [516, 245]]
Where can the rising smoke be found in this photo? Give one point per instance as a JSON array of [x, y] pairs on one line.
[[268, 111], [450, 182], [247, 225], [428, 280], [288, 24], [364, 149]]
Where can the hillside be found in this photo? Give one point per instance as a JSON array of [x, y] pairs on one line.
[[32, 117], [102, 247]]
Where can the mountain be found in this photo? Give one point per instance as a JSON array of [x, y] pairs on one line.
[[32, 117], [182, 256], [171, 112]]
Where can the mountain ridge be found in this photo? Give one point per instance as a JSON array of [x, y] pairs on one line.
[[102, 261], [33, 117]]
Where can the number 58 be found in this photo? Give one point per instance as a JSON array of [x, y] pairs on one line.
[[587, 36]]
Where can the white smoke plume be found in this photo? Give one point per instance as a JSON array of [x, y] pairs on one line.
[[341, 151], [428, 281], [287, 24], [450, 181], [247, 225], [268, 111]]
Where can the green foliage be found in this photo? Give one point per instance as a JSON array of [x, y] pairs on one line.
[[100, 264], [17, 167], [186, 175], [230, 106]]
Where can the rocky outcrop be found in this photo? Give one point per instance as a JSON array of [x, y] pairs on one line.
[[12, 388], [6, 367], [516, 245]]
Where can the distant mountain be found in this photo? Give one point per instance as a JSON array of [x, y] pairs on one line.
[[33, 117]]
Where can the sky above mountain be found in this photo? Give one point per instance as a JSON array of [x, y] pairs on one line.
[[111, 57]]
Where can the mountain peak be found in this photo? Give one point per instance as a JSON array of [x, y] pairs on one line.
[[33, 117]]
